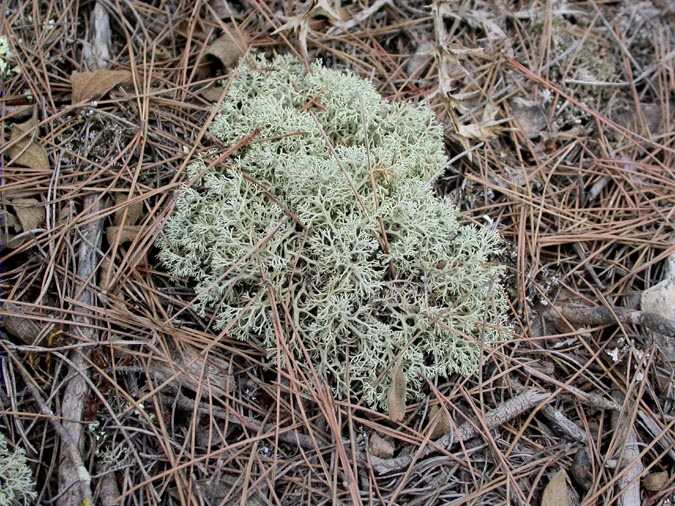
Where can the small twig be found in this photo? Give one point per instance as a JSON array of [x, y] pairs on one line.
[[498, 416], [80, 473], [629, 456], [578, 314], [564, 424], [76, 390]]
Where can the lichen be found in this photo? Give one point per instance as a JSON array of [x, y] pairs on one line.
[[327, 218], [16, 480]]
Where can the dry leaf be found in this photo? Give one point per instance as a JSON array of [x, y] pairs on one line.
[[656, 481], [198, 30], [212, 93], [486, 129], [529, 116], [12, 241], [332, 10], [557, 493], [88, 85], [380, 447], [229, 47], [128, 234], [7, 219], [397, 393], [191, 369], [299, 24], [582, 471], [134, 211], [30, 212], [25, 329], [420, 59], [660, 299], [224, 10], [440, 420], [26, 152]]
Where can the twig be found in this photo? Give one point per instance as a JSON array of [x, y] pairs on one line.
[[564, 424], [76, 389], [72, 451], [578, 314], [498, 416], [629, 456]]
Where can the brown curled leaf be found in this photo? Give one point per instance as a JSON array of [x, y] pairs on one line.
[[27, 152], [89, 85]]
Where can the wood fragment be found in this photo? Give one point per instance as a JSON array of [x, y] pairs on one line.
[[397, 393], [70, 451], [493, 419], [628, 452], [578, 314], [564, 424], [77, 390]]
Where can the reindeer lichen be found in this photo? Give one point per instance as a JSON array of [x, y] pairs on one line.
[[16, 480], [327, 218]]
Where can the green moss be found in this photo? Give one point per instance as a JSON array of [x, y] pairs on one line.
[[346, 165]]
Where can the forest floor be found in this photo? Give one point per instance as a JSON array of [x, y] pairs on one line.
[[559, 123]]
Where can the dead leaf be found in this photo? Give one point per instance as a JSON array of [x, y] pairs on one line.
[[7, 220], [229, 47], [134, 211], [192, 369], [30, 212], [484, 20], [646, 115], [420, 58], [486, 129], [660, 299], [212, 93], [27, 152], [223, 9], [198, 30], [89, 85], [380, 447], [25, 329], [582, 471], [529, 116], [440, 420], [656, 481], [557, 493], [128, 234], [397, 393], [299, 24], [332, 10]]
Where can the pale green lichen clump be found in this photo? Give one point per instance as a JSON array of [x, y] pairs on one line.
[[16, 480], [327, 218]]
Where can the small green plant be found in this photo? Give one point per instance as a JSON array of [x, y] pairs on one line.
[[327, 218], [16, 479]]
